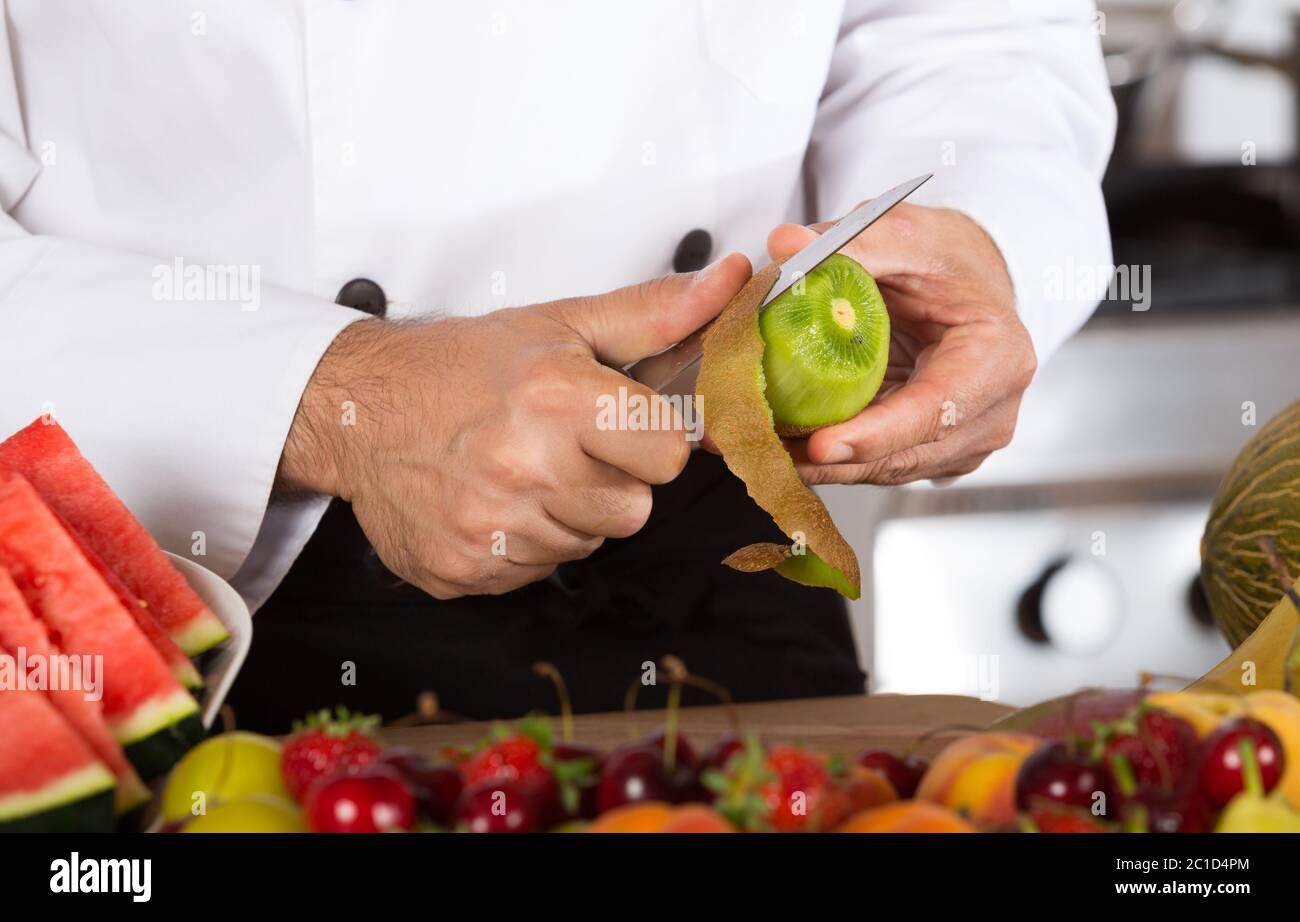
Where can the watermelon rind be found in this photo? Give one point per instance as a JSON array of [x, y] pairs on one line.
[[80, 801], [154, 753], [201, 634]]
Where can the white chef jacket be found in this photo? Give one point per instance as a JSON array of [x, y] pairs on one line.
[[466, 157]]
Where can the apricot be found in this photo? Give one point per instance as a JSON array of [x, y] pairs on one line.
[[648, 816], [696, 818], [976, 776], [867, 788], [655, 816], [906, 816]]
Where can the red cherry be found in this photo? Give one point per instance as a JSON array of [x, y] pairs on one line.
[[632, 774], [903, 774], [567, 751], [497, 806], [1186, 810], [375, 799], [1056, 774], [686, 754], [720, 753], [1222, 776], [436, 787]]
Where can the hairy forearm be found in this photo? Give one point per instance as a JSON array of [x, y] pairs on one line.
[[315, 458]]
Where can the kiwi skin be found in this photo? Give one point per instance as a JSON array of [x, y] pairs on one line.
[[826, 347]]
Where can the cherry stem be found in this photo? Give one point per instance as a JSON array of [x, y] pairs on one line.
[[1250, 770], [427, 709], [1123, 772], [629, 706], [676, 670], [548, 671], [721, 693]]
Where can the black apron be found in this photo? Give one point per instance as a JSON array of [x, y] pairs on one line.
[[662, 591]]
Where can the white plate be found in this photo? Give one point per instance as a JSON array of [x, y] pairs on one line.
[[221, 666]]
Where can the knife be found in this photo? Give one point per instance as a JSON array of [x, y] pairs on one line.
[[673, 371]]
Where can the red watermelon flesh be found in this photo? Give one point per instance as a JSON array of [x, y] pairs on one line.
[[52, 769], [21, 631], [46, 456], [140, 694], [180, 664]]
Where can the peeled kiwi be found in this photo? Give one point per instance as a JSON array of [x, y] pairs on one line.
[[731, 389], [826, 345]]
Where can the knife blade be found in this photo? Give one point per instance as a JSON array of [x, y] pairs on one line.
[[673, 371]]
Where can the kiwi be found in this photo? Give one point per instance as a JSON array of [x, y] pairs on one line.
[[826, 346], [737, 418]]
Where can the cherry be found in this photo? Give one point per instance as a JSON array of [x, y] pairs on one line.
[[685, 753], [497, 806], [375, 799], [903, 774], [436, 787], [1222, 769], [569, 751], [720, 753], [1055, 773], [632, 774], [1185, 810]]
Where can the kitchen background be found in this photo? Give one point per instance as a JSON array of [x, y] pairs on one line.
[[1071, 558]]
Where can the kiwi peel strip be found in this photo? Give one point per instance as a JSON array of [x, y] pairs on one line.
[[738, 419]]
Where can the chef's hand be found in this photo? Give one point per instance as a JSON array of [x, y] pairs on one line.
[[475, 462], [959, 357]]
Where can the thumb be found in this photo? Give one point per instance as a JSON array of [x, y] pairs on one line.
[[631, 323]]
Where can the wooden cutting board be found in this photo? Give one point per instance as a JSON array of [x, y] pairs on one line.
[[846, 725]]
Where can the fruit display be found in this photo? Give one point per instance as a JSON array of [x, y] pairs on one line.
[[1142, 768], [96, 628], [1220, 755]]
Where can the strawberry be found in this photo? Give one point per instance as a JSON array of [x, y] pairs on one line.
[[324, 745], [527, 756], [1159, 748], [786, 790]]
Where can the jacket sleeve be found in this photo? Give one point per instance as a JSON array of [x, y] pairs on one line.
[[1008, 105], [182, 401]]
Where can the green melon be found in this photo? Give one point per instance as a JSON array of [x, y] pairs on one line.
[[1259, 498]]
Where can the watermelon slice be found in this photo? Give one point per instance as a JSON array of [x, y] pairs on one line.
[[154, 719], [180, 664], [52, 782], [26, 637], [46, 456]]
